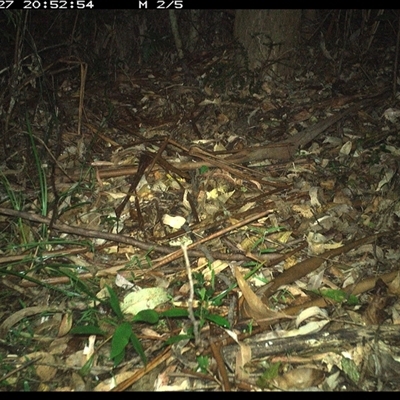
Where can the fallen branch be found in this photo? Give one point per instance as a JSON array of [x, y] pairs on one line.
[[118, 238], [314, 343]]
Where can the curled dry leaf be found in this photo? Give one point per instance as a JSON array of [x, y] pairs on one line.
[[394, 286], [24, 313], [89, 349], [313, 192], [243, 356], [253, 307], [309, 313], [65, 325]]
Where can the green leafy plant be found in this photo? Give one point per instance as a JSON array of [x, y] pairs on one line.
[[262, 234], [203, 363], [250, 327], [339, 296], [41, 174], [350, 369], [205, 293], [123, 334], [270, 373]]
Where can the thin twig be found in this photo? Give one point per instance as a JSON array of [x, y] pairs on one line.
[[143, 371], [192, 317], [177, 254], [216, 351], [20, 368], [118, 238]]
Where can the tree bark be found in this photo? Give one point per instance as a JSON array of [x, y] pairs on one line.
[[269, 38]]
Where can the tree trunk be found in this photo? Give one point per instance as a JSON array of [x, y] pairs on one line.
[[269, 37]]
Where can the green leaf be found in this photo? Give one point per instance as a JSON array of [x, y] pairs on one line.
[[174, 313], [87, 330], [267, 251], [85, 370], [220, 321], [177, 338], [120, 339], [203, 169], [138, 348], [114, 302], [149, 316], [350, 368], [204, 363], [271, 373], [202, 293], [77, 282], [339, 296], [119, 358]]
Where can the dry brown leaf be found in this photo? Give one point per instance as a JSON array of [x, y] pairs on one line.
[[44, 369], [243, 356], [75, 360], [394, 286], [309, 265], [65, 325], [299, 378], [328, 184], [375, 313], [311, 312], [25, 312], [111, 383], [303, 210], [253, 306], [77, 383], [163, 377], [303, 115], [222, 119]]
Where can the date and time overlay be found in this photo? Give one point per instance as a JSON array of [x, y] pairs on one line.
[[85, 4]]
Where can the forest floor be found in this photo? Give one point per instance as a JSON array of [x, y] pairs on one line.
[[195, 229]]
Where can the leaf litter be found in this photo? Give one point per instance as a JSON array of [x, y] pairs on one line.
[[285, 203]]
